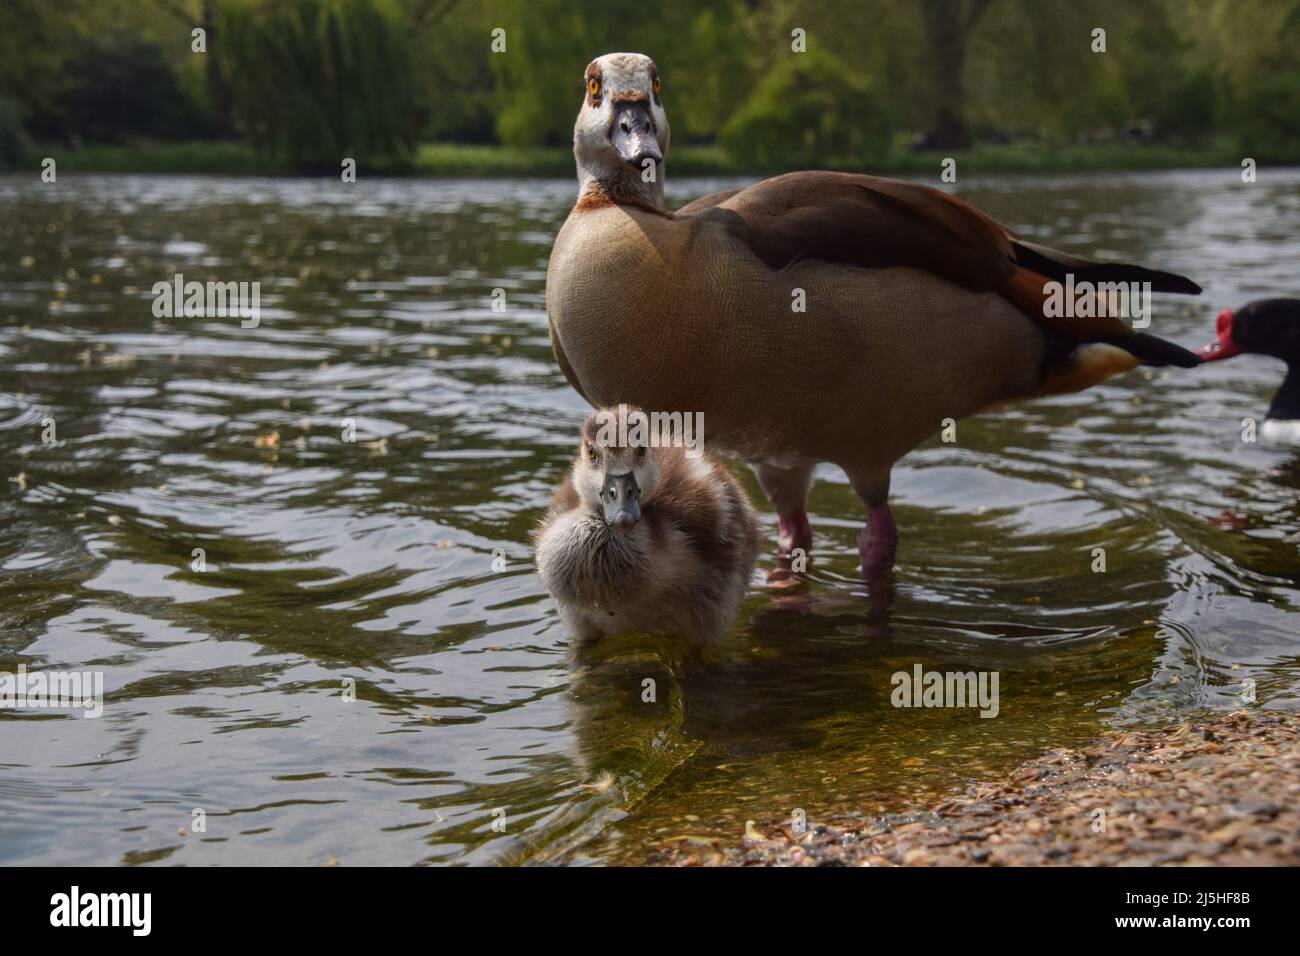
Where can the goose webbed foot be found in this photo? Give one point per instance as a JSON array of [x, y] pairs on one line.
[[794, 533], [786, 486]]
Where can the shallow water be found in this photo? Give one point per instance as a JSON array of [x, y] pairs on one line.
[[373, 560]]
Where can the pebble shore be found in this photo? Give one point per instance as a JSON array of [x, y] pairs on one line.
[[1218, 792]]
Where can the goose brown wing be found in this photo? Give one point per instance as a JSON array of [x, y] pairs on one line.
[[877, 223]]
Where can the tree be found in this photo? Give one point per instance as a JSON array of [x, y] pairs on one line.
[[314, 81], [810, 110], [948, 24], [219, 95], [539, 80]]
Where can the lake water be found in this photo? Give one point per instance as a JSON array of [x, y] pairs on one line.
[[401, 561]]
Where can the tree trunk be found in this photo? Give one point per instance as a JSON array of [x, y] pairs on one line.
[[947, 25], [218, 88]]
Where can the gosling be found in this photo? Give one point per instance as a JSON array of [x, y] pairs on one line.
[[656, 539]]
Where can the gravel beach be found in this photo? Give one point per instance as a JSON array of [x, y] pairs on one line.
[[1219, 792]]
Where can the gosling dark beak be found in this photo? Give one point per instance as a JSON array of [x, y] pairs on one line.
[[622, 503], [633, 134]]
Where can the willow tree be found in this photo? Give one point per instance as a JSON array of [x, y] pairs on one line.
[[810, 110], [314, 81]]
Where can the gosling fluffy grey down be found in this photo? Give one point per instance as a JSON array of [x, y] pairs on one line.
[[642, 538]]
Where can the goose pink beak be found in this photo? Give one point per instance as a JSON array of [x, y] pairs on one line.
[[1224, 347]]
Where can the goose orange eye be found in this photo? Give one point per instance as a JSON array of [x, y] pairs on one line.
[[593, 86], [591, 454], [656, 84]]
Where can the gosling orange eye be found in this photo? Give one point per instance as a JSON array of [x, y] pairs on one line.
[[593, 86], [592, 454], [655, 84]]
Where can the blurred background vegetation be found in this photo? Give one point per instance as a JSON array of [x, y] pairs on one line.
[[416, 84]]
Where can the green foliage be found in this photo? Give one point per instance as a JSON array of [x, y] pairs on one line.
[[34, 44], [1268, 119], [809, 110], [700, 55], [152, 156], [1160, 77], [540, 74], [1188, 109], [451, 159], [1175, 93], [119, 86], [15, 147], [313, 81], [452, 64]]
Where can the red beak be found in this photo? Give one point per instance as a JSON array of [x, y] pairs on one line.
[[1224, 347]]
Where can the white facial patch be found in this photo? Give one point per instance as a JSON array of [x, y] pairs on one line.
[[624, 74]]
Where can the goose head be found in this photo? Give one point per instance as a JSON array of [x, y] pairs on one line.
[[620, 138], [615, 469]]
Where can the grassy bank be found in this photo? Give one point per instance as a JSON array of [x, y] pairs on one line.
[[443, 159], [187, 157], [450, 159], [446, 159]]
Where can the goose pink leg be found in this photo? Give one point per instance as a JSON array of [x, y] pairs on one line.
[[794, 531], [787, 489], [878, 542]]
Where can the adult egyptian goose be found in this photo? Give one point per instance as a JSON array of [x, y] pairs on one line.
[[645, 535], [1266, 327], [916, 308]]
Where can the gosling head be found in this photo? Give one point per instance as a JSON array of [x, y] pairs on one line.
[[616, 468], [621, 136]]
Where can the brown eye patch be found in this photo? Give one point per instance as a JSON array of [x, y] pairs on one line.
[[595, 83]]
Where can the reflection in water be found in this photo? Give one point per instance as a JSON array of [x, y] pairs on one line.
[[477, 732]]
